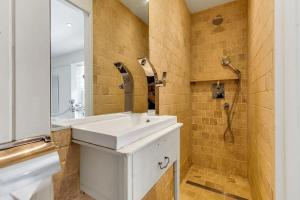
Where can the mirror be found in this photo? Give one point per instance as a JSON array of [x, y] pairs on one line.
[[119, 33], [68, 84], [120, 37]]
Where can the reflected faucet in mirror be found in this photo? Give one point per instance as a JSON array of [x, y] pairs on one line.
[[127, 85], [151, 72]]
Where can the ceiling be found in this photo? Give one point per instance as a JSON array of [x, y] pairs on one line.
[[198, 5], [67, 21], [141, 7], [67, 28]]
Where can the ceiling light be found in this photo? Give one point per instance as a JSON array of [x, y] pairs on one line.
[[69, 25]]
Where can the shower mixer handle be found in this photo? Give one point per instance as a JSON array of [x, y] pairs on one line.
[[150, 71], [163, 81]]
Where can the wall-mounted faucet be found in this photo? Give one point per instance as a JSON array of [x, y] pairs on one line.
[[151, 72], [127, 85]]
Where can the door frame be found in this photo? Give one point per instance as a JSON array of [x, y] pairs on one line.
[[287, 99]]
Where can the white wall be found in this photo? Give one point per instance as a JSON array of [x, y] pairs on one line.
[[32, 68], [87, 6], [287, 92], [61, 67], [5, 72], [67, 59]]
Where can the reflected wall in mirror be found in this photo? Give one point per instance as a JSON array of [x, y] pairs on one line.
[[121, 35], [67, 61]]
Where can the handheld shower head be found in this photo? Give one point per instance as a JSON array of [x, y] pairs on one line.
[[226, 62]]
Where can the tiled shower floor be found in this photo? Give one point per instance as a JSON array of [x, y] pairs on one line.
[[208, 184]]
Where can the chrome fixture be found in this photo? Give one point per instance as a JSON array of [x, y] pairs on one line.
[[127, 85], [228, 133], [226, 62], [218, 90], [151, 72], [9, 145], [218, 20], [73, 107]]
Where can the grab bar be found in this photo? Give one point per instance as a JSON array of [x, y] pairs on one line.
[[16, 143]]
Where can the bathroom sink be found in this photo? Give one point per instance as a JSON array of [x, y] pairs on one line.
[[115, 133]]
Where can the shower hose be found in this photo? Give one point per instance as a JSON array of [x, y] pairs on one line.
[[230, 114]]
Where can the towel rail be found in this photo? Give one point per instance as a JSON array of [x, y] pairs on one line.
[[17, 143]]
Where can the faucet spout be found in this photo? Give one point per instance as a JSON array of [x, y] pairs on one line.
[[150, 71], [127, 85]]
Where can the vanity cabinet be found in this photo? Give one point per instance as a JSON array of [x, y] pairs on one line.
[[24, 69], [130, 172]]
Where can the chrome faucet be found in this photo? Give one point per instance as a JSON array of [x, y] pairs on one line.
[[150, 71], [153, 82], [127, 85]]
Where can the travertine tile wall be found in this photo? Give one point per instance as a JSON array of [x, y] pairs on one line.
[[261, 99], [66, 183], [209, 44], [170, 51], [119, 36]]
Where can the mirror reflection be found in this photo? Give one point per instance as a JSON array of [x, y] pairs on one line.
[[120, 36], [67, 61]]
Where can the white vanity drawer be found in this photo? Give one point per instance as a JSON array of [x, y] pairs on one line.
[[152, 161]]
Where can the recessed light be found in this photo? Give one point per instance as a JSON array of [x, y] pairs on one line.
[[69, 25]]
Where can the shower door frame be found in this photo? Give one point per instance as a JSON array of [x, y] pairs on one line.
[[287, 99]]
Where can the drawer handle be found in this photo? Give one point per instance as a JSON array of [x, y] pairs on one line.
[[167, 161]]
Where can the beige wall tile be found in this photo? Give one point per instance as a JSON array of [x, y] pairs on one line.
[[261, 99], [119, 36], [209, 44], [66, 182], [170, 52]]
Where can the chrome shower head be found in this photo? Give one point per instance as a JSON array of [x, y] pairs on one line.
[[226, 62], [218, 20]]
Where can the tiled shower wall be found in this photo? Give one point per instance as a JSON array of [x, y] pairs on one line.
[[209, 44], [261, 99], [119, 36], [169, 50]]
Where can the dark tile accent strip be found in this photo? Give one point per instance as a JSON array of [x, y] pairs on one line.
[[215, 190]]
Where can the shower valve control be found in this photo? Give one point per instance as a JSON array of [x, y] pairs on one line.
[[218, 91]]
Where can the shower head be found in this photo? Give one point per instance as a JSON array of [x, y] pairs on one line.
[[218, 20], [226, 62]]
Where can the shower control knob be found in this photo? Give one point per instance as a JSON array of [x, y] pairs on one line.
[[226, 106]]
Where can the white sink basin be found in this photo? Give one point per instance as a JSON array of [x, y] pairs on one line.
[[115, 133]]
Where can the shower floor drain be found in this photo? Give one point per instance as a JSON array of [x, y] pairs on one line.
[[215, 190]]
